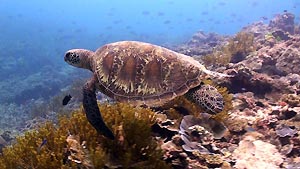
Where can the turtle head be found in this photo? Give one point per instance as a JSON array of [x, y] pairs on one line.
[[79, 58]]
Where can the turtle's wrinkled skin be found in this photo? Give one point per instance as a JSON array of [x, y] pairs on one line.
[[142, 74]]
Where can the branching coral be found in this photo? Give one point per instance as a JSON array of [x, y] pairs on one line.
[[133, 148], [235, 51]]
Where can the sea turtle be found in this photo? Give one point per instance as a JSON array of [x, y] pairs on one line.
[[142, 74]]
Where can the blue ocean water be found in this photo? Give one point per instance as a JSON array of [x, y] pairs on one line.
[[53, 26], [35, 33]]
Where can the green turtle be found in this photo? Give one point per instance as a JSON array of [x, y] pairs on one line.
[[140, 73]]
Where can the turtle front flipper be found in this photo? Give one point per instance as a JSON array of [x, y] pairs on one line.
[[92, 110], [207, 97]]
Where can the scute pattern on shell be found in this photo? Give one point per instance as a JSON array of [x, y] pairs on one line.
[[142, 73]]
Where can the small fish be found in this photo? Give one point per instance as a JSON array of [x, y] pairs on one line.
[[108, 27], [212, 44], [170, 2], [117, 21], [42, 144], [254, 4], [217, 22], [160, 14], [145, 12], [249, 129], [66, 100], [285, 10], [222, 3], [110, 14], [189, 19], [233, 15], [128, 27], [204, 13], [167, 22]]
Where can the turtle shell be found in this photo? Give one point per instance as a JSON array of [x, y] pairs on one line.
[[142, 73]]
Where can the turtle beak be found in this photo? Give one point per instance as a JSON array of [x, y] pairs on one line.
[[67, 56]]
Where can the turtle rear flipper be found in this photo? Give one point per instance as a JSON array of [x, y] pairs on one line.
[[207, 97], [92, 110]]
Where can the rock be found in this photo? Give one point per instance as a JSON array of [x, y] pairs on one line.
[[284, 131], [174, 154], [2, 141], [255, 153]]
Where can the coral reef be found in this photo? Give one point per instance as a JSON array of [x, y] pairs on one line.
[[258, 29], [266, 89], [284, 22], [201, 44], [270, 70], [199, 132], [255, 153], [265, 109], [280, 59], [278, 29], [235, 51], [74, 143], [12, 117], [188, 135]]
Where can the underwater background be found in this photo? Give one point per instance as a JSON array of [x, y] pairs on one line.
[[35, 34]]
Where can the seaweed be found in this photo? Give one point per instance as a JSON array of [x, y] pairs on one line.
[[134, 147], [234, 51], [269, 36], [224, 114], [291, 99]]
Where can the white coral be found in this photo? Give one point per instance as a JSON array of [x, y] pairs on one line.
[[255, 153]]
